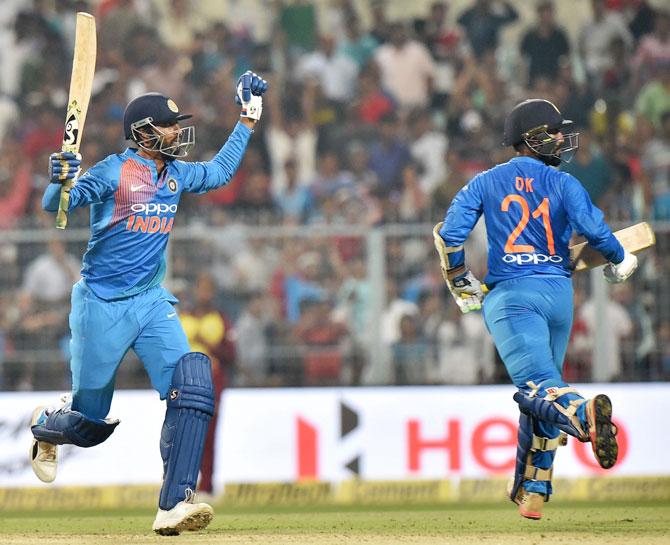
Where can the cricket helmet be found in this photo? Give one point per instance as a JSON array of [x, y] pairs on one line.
[[150, 111], [536, 122]]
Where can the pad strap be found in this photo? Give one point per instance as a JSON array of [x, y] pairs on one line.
[[536, 473], [545, 444]]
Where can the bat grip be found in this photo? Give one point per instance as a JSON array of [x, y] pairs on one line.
[[63, 204]]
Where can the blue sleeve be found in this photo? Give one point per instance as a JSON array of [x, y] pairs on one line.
[[51, 197], [588, 220], [91, 187], [205, 176], [461, 218]]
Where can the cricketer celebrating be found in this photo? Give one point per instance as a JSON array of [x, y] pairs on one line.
[[120, 304], [531, 210]]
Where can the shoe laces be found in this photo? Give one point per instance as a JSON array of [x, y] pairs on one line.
[[48, 452], [190, 496]]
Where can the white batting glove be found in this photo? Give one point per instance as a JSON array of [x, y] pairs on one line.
[[620, 272], [467, 291], [252, 109]]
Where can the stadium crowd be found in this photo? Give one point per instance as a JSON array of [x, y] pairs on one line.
[[371, 122]]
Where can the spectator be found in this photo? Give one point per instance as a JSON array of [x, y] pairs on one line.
[[331, 179], [353, 299], [396, 308], [335, 72], [411, 355], [446, 45], [653, 48], [250, 337], [545, 46], [255, 203], [37, 326], [577, 364], [359, 46], [619, 327], [372, 103], [596, 36], [429, 150], [380, 28], [327, 349], [412, 201], [50, 276], [656, 165], [296, 201], [465, 351], [291, 134], [297, 22], [654, 98], [483, 22], [406, 69], [16, 183], [389, 155], [178, 23], [252, 266], [590, 167], [303, 284]]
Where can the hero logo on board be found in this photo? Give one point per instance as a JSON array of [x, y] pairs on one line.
[[485, 442]]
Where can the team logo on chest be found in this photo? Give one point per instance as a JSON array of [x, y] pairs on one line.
[[172, 185]]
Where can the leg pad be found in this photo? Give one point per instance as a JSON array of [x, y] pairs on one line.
[[68, 427], [551, 412], [190, 405]]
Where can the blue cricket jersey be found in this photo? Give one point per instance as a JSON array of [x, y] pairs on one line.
[[133, 210], [530, 211]]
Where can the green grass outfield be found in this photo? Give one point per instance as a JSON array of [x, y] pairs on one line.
[[637, 523]]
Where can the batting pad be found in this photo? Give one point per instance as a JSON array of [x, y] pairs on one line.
[[68, 427], [190, 405]]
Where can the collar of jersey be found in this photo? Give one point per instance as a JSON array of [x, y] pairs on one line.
[[131, 153], [525, 159]]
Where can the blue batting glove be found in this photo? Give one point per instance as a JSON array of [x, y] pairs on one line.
[[249, 84], [64, 166]]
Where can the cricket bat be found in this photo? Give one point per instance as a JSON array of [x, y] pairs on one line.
[[81, 82], [634, 239]]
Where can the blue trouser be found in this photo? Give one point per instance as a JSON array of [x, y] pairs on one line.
[[530, 319], [102, 333]]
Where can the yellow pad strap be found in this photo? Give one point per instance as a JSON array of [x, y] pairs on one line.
[[537, 474], [558, 392], [545, 444]]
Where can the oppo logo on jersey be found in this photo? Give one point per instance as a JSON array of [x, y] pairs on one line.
[[154, 208], [147, 218], [533, 259]]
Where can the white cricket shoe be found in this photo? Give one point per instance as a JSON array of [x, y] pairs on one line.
[[43, 456], [186, 515]]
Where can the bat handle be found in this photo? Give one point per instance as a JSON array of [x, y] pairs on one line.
[[63, 205], [485, 289]]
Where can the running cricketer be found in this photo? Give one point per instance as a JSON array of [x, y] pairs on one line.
[[531, 211], [120, 304]]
